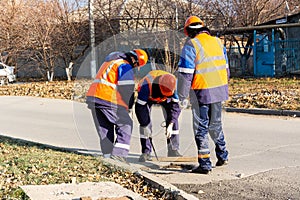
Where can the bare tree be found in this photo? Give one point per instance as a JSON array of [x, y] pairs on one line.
[[54, 34], [283, 8], [239, 13], [43, 27], [71, 39], [148, 23], [14, 29], [47, 34]]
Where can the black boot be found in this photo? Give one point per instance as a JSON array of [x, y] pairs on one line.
[[221, 163], [199, 170]]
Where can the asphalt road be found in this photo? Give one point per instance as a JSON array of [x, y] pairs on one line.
[[257, 144]]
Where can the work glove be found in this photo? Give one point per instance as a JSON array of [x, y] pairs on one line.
[[145, 131], [183, 104], [169, 130]]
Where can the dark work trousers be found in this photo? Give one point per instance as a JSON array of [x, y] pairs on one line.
[[111, 121], [207, 120], [145, 120]]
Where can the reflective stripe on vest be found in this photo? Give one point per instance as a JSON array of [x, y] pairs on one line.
[[105, 84], [210, 63]]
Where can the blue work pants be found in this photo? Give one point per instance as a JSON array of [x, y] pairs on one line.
[[207, 119], [143, 113], [111, 121]]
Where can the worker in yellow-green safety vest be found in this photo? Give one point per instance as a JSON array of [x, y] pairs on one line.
[[203, 75]]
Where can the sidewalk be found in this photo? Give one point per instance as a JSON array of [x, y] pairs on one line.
[[255, 142]]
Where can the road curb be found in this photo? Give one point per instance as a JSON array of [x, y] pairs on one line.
[[163, 185], [172, 191], [257, 111]]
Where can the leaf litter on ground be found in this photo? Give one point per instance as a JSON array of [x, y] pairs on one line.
[[26, 163], [23, 163]]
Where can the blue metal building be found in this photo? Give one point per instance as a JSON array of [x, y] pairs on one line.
[[275, 51]]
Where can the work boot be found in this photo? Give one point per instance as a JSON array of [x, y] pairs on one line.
[[119, 159], [145, 157], [221, 163], [173, 153], [199, 170], [106, 155]]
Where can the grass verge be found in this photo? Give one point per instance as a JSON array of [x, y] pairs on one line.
[[27, 163]]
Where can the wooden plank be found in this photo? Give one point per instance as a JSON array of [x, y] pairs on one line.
[[176, 159]]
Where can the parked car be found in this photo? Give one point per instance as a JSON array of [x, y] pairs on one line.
[[7, 74]]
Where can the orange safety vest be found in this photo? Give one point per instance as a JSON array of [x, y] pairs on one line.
[[105, 84], [210, 62], [149, 78]]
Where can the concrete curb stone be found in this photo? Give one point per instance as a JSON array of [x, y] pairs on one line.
[[176, 193], [292, 113], [76, 191]]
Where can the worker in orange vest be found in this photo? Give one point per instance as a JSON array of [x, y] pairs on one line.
[[203, 75], [158, 87], [110, 97]]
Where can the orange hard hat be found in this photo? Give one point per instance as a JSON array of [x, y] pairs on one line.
[[141, 56], [167, 84], [192, 20]]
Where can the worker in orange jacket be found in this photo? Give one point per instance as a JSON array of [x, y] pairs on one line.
[[158, 87], [110, 97]]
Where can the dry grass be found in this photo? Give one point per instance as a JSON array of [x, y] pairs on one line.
[[22, 163], [25, 163], [278, 94], [270, 93]]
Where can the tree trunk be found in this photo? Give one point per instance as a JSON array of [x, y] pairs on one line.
[[244, 65], [50, 75], [69, 71]]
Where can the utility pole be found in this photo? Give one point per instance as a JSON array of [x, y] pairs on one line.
[[92, 38], [287, 11], [176, 16]]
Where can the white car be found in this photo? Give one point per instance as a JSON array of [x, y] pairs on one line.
[[7, 74]]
